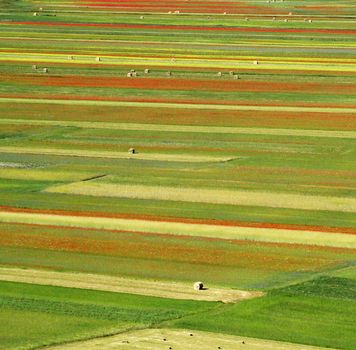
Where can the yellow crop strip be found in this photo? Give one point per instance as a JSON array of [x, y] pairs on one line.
[[332, 65], [185, 229], [203, 195]]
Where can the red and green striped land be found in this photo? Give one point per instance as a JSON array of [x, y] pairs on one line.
[[243, 118]]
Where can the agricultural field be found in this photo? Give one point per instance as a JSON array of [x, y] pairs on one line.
[[147, 145]]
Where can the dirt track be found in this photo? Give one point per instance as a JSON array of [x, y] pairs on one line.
[[124, 285], [152, 339]]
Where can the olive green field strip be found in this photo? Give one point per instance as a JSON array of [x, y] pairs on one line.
[[43, 174], [203, 195], [185, 229], [276, 63], [172, 290], [185, 128], [253, 43], [181, 105], [181, 339], [115, 155]]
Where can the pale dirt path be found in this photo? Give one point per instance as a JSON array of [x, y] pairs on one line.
[[160, 289], [115, 155], [152, 339]]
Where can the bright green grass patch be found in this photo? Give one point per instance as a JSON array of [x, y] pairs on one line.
[[324, 286], [298, 318], [23, 329], [348, 272], [75, 313]]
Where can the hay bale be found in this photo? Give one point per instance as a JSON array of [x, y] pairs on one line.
[[129, 75], [70, 57], [34, 67], [236, 77], [310, 21], [169, 73], [35, 14], [286, 20], [198, 286], [256, 62], [97, 59], [45, 70], [219, 74], [132, 150], [231, 73], [142, 17], [147, 71]]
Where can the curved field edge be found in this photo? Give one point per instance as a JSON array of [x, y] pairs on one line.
[[171, 290], [181, 340]]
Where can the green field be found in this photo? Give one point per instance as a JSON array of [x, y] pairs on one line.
[[78, 314], [319, 312]]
